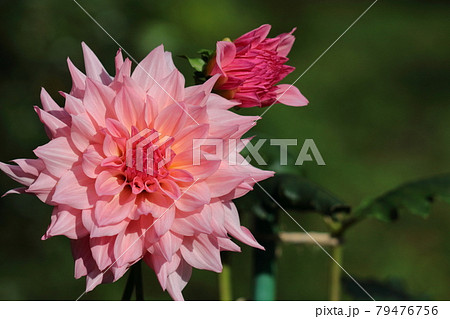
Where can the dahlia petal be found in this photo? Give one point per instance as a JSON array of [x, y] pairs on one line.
[[155, 204], [54, 126], [75, 189], [181, 175], [92, 161], [170, 188], [190, 136], [96, 104], [47, 102], [129, 245], [151, 69], [286, 43], [170, 120], [224, 180], [168, 90], [177, 280], [225, 54], [228, 245], [163, 223], [207, 165], [194, 197], [43, 187], [110, 210], [78, 80], [102, 249], [169, 244], [84, 263], [290, 95], [118, 60], [57, 155], [94, 68], [125, 109], [192, 224], [66, 221], [150, 111], [202, 252], [254, 37], [110, 182], [117, 129], [234, 228], [73, 105], [17, 174], [18, 190]]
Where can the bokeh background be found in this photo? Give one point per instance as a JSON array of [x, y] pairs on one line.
[[379, 113]]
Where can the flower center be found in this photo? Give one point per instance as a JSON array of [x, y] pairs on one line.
[[148, 155]]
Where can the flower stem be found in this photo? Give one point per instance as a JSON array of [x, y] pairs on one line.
[[138, 281], [264, 262], [335, 273], [225, 286], [134, 281]]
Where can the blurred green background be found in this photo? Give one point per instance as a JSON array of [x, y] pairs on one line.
[[378, 113]]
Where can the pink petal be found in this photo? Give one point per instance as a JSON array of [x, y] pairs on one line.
[[255, 36], [169, 243], [43, 187], [110, 182], [78, 80], [129, 245], [102, 249], [170, 188], [57, 155], [290, 95], [92, 161], [110, 210], [286, 42], [170, 120], [54, 126], [225, 54], [163, 223], [168, 90], [94, 68], [151, 69], [177, 280], [66, 221], [190, 224], [234, 228], [17, 174], [202, 252], [194, 197], [75, 189]]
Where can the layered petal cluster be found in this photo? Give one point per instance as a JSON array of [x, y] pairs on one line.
[[128, 178], [252, 65]]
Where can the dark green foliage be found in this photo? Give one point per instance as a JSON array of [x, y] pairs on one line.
[[414, 197], [292, 192], [392, 289]]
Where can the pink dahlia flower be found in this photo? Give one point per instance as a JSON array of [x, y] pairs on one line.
[[119, 171], [252, 65]]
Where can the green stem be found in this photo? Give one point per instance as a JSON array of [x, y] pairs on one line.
[[129, 287], [134, 281], [264, 262], [335, 273], [225, 286], [138, 281]]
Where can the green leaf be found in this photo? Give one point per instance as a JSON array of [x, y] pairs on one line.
[[414, 197], [292, 192], [390, 289], [196, 63]]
